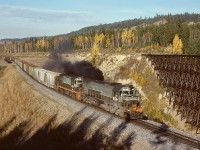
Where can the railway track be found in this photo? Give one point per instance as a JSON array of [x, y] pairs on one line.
[[166, 131], [158, 129]]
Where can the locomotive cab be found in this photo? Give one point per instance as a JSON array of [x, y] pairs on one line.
[[78, 82], [126, 93], [130, 101]]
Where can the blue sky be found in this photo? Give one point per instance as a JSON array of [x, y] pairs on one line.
[[25, 18]]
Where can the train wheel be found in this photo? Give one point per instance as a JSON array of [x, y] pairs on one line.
[[127, 117]]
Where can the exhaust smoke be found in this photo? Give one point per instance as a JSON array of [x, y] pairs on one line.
[[80, 68]]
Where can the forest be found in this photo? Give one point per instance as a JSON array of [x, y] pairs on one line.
[[174, 34]]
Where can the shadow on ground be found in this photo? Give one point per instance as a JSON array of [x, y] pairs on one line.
[[65, 136], [161, 139], [160, 135]]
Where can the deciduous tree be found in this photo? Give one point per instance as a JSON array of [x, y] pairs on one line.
[[177, 45]]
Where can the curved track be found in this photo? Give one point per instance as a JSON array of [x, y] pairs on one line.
[[162, 130]]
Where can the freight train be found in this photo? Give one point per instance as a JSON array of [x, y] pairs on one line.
[[122, 100]]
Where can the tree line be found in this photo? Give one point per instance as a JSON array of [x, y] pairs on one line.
[[167, 35], [43, 44]]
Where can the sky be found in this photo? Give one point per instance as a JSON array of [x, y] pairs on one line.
[[29, 18]]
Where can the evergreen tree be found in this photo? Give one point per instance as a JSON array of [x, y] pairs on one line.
[[168, 31]]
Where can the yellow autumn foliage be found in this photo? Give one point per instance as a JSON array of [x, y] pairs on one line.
[[139, 78], [98, 40], [42, 44], [127, 37], [95, 50], [177, 45], [108, 43]]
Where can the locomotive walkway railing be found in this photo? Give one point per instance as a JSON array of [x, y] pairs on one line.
[[180, 75]]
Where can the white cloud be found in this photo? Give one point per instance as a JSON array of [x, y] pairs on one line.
[[17, 21], [44, 15]]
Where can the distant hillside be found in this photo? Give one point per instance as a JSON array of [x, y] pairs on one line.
[[186, 18], [149, 35]]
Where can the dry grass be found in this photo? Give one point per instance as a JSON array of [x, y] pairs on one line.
[[17, 100], [2, 71]]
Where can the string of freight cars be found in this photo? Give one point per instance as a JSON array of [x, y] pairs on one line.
[[122, 100]]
